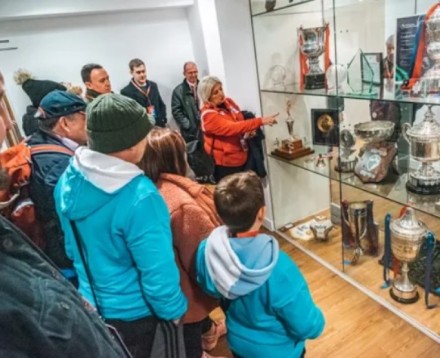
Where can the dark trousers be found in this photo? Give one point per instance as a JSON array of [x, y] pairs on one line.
[[137, 335], [220, 172], [192, 334]]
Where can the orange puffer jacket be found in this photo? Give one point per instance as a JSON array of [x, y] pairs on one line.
[[225, 127]]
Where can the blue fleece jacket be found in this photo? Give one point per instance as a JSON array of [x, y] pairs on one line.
[[271, 312], [125, 228]]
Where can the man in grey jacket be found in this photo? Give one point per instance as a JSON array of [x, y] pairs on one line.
[[185, 104]]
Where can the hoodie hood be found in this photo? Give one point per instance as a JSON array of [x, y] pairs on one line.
[[239, 266], [91, 180]]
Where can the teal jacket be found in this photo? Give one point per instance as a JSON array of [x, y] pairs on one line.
[[125, 228], [271, 312]]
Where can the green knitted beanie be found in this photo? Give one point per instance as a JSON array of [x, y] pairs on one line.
[[115, 123]]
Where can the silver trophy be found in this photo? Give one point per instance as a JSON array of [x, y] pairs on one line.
[[407, 235], [430, 82], [357, 223], [347, 159], [290, 121], [321, 227], [312, 45], [424, 141]]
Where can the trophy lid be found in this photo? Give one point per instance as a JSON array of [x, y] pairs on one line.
[[408, 225], [427, 129]]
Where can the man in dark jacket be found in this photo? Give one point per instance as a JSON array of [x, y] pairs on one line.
[[145, 92], [41, 314], [61, 123], [184, 103]]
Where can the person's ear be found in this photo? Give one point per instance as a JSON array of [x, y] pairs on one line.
[[261, 213], [88, 84]]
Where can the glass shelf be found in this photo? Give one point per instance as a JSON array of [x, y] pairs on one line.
[[384, 96], [308, 163], [283, 7]]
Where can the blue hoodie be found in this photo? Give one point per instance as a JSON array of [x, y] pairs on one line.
[[271, 312], [125, 229]]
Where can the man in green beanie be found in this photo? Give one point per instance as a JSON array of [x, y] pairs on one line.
[[123, 225]]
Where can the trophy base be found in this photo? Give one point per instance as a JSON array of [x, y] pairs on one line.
[[345, 166], [292, 154], [423, 190], [405, 297], [312, 82]]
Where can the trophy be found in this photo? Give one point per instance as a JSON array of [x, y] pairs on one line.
[[292, 147], [347, 159], [321, 227], [430, 81], [312, 45], [424, 142], [407, 236], [359, 232], [376, 156]]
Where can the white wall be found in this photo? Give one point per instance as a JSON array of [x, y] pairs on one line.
[[57, 48]]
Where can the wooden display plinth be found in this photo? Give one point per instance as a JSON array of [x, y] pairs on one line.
[[293, 154], [292, 149]]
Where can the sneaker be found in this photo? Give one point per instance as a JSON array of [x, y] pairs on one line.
[[210, 338]]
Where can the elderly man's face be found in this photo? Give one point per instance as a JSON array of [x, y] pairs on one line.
[[99, 81], [191, 73]]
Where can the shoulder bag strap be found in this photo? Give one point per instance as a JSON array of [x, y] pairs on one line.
[[50, 148], [77, 237]]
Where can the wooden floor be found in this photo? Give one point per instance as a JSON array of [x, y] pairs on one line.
[[356, 326]]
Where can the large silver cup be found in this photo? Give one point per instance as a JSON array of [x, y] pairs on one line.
[[407, 235], [312, 45], [430, 82], [424, 141], [357, 222]]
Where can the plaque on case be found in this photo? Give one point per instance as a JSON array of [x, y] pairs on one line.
[[292, 147], [325, 124]]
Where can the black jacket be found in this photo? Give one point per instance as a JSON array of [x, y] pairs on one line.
[[29, 122], [46, 170], [255, 161], [42, 314], [153, 99], [185, 111]]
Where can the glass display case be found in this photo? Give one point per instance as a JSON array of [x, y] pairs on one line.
[[357, 88]]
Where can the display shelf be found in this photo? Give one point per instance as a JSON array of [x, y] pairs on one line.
[[369, 273], [308, 163], [386, 97], [278, 10]]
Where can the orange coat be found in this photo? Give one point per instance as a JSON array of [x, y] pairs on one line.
[[193, 217], [225, 128]]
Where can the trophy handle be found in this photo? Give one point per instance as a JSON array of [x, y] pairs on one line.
[[405, 127]]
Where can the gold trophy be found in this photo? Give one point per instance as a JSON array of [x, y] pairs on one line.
[[292, 147]]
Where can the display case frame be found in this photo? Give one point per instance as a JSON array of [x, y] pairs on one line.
[[300, 189]]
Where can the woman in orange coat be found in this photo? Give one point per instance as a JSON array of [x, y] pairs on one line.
[[193, 217], [225, 129]]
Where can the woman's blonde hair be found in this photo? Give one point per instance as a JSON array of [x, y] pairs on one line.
[[21, 76], [204, 89], [165, 153]]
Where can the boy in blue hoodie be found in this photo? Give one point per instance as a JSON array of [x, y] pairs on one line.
[[270, 312]]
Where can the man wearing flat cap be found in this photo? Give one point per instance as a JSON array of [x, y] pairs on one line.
[[61, 120]]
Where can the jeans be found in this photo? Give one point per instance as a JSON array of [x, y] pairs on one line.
[[192, 333]]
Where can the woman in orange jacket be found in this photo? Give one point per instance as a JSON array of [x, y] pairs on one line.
[[225, 129]]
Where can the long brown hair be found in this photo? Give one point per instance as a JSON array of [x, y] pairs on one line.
[[165, 153]]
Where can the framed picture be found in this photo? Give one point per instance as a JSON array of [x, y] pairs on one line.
[[371, 68], [325, 127]]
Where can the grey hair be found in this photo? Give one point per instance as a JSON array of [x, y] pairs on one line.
[[204, 89], [390, 41]]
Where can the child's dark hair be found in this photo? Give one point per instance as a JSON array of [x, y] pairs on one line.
[[238, 198]]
